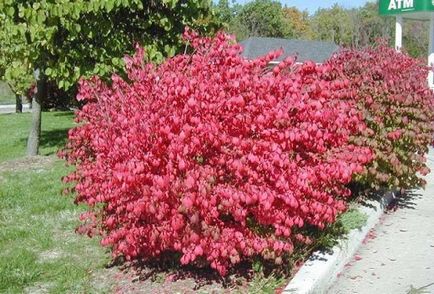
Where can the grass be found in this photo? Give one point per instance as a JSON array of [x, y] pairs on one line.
[[14, 129], [39, 249], [352, 219]]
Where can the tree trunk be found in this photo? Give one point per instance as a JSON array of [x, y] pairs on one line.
[[18, 104], [35, 130]]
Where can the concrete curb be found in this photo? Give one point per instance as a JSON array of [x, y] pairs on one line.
[[317, 275]]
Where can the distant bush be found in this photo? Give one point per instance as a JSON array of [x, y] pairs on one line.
[[392, 92], [54, 97], [59, 99], [213, 156]]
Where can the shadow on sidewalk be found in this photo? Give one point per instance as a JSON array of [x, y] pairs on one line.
[[405, 200], [421, 290], [402, 199]]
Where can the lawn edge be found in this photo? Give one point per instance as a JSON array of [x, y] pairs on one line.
[[322, 269]]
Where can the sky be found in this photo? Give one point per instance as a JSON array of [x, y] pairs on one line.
[[312, 5]]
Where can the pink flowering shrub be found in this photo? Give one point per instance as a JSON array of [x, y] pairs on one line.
[[392, 92], [213, 156]]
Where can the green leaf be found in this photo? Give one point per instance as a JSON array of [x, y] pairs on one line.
[[170, 3], [41, 17], [10, 11], [77, 28], [109, 4]]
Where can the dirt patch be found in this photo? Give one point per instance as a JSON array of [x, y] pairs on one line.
[[34, 163], [138, 278], [50, 255], [130, 281], [39, 288]]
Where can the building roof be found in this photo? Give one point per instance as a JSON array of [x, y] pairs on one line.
[[317, 51]]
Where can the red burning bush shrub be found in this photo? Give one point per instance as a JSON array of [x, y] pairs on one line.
[[213, 156], [391, 90]]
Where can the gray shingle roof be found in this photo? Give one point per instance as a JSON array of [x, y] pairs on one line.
[[317, 51]]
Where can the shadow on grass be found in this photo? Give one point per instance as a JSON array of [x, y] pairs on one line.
[[54, 138], [64, 113]]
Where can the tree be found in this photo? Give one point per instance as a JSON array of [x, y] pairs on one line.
[[298, 22], [223, 11], [371, 25], [415, 41], [13, 66], [66, 40], [261, 18], [332, 24]]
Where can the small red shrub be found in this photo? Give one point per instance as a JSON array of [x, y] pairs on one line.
[[392, 92], [212, 155]]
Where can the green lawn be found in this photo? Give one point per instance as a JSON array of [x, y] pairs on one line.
[[14, 129], [39, 249]]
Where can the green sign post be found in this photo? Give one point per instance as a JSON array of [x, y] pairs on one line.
[[414, 9], [394, 7]]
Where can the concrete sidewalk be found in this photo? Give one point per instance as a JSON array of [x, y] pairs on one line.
[[398, 257], [10, 108]]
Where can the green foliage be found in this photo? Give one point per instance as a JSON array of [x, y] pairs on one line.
[[264, 283], [298, 23], [68, 39], [352, 219], [261, 18], [360, 27], [368, 25], [415, 38], [6, 95], [223, 11], [14, 63], [332, 24]]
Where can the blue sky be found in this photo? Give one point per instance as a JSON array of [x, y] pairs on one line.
[[313, 5]]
